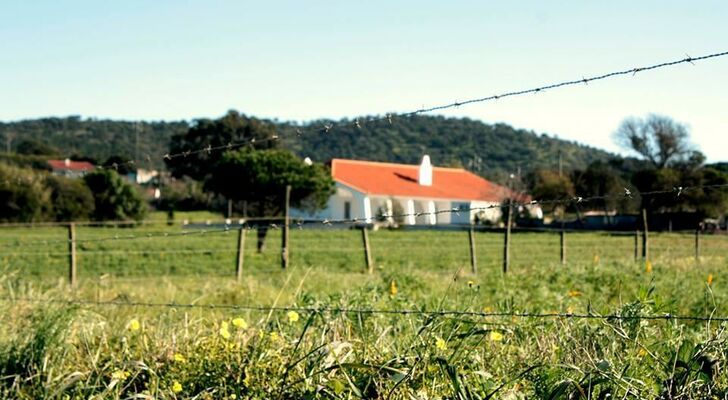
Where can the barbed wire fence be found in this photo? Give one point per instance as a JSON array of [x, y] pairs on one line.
[[398, 312], [246, 225]]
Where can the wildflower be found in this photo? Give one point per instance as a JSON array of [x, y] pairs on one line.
[[471, 283], [179, 358], [648, 266], [133, 325], [488, 310], [292, 317], [393, 288], [496, 336], [596, 258], [176, 387], [641, 353], [119, 374], [574, 293], [440, 344], [710, 279], [240, 323], [274, 336], [569, 310], [224, 332]]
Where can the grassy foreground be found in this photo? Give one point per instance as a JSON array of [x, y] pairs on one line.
[[55, 350]]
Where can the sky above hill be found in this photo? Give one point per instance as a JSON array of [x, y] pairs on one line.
[[293, 60]]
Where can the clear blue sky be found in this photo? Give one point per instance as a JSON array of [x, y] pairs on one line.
[[296, 60]]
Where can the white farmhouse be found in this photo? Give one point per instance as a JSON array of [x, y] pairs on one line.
[[366, 190]]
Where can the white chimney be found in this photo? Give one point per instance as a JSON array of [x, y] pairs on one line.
[[425, 178]]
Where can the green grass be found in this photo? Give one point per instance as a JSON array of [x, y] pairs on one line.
[[91, 350]]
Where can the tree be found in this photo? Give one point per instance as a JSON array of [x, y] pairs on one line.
[[259, 177], [658, 139], [32, 147], [233, 128], [600, 179], [549, 185], [114, 198], [23, 197], [71, 199], [120, 164]]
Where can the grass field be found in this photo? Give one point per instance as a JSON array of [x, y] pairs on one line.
[[55, 350]]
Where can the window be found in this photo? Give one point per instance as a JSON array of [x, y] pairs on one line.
[[347, 210]]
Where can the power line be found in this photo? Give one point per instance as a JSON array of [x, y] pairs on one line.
[[402, 312]]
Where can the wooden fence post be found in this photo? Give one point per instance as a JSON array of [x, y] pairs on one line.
[[563, 247], [367, 249], [284, 236], [241, 255], [507, 241], [697, 244], [636, 244], [473, 259], [645, 237], [72, 254]]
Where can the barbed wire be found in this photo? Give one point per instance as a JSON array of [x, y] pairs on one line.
[[389, 117], [343, 310], [362, 221]]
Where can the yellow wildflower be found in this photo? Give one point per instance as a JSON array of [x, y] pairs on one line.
[[119, 374], [176, 387], [179, 358], [440, 344], [648, 266], [641, 353], [710, 279], [488, 310], [569, 310], [133, 325], [292, 317], [240, 323], [393, 288], [596, 258], [224, 332], [496, 336], [471, 283], [574, 293], [274, 336]]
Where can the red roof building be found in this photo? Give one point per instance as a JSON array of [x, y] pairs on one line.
[[69, 168], [368, 191]]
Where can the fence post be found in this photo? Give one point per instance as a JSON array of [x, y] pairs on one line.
[[563, 247], [507, 241], [645, 237], [367, 249], [697, 244], [241, 255], [284, 236], [473, 259], [636, 244], [72, 254]]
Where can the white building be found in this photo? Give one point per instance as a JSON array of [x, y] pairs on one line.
[[366, 190], [70, 168]]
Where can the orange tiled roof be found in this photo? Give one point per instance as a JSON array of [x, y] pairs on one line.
[[72, 165], [377, 178]]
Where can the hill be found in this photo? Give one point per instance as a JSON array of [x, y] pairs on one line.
[[492, 150]]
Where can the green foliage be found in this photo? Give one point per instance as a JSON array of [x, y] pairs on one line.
[[33, 147], [549, 185], [259, 177], [97, 138], [184, 194], [114, 198], [603, 180], [23, 196], [231, 128], [71, 199], [491, 150], [120, 164]]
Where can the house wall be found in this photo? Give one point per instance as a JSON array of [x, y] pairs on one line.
[[336, 208]]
